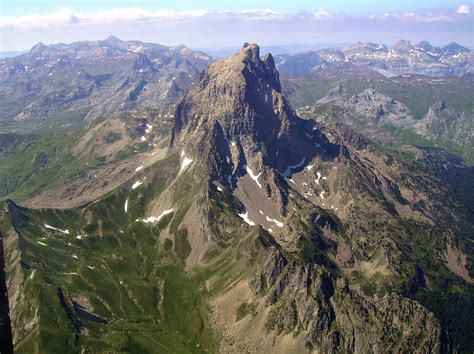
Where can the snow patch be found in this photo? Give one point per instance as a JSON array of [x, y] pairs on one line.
[[277, 223], [309, 167], [125, 207], [143, 138], [136, 184], [319, 177], [139, 168], [152, 219], [184, 164], [253, 176], [219, 189], [41, 243], [65, 231], [245, 217]]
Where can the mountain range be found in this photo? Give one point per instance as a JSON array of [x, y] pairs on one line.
[[53, 85], [236, 223], [85, 80], [402, 58]]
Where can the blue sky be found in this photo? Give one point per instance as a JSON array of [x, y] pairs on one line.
[[212, 23], [24, 7]]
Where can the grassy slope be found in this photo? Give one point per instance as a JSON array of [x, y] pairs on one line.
[[36, 161], [136, 284], [32, 163]]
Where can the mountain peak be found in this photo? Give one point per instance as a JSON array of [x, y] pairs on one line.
[[238, 106], [454, 48], [425, 45], [269, 61], [38, 47], [112, 40], [252, 51], [246, 68], [403, 45]]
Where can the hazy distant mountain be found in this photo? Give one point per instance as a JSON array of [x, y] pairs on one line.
[[402, 58], [90, 79], [219, 52]]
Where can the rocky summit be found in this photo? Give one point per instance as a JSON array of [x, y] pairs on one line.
[[238, 114], [242, 227]]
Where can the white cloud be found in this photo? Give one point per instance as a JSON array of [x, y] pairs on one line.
[[415, 16], [409, 14], [323, 15], [261, 13], [65, 16], [464, 10]]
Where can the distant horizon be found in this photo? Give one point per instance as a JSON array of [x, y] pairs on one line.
[[319, 45]]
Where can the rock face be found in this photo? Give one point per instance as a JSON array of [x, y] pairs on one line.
[[380, 109], [446, 124], [238, 113], [341, 319], [238, 124]]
